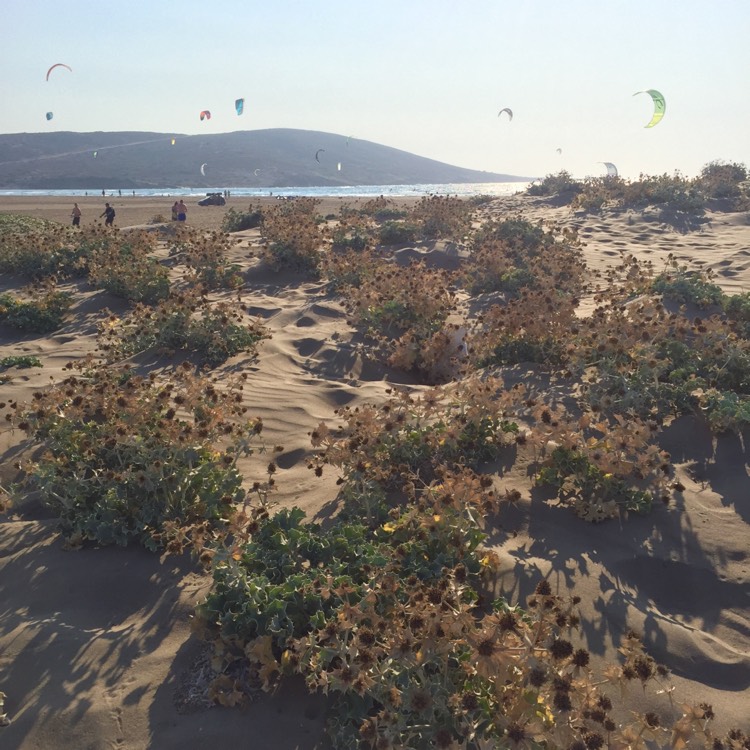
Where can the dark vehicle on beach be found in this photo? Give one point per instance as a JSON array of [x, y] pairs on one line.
[[212, 199]]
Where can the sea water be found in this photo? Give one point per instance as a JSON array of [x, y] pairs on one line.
[[466, 189]]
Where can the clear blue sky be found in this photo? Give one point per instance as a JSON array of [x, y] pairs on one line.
[[426, 76]]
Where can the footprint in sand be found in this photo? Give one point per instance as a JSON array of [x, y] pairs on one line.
[[327, 312], [290, 458], [262, 312], [308, 346], [305, 322]]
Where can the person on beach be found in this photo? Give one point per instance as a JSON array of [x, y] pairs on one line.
[[76, 214], [175, 210], [181, 211], [109, 214]]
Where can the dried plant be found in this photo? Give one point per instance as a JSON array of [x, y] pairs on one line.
[[126, 457]]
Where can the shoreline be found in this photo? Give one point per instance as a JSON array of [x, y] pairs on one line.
[[140, 210]]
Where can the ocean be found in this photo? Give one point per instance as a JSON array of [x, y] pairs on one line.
[[349, 191]]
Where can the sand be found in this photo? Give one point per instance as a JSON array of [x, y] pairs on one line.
[[95, 644]]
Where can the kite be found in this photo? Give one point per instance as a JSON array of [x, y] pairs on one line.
[[95, 153], [205, 115], [508, 110], [239, 105], [338, 166], [256, 172], [49, 115], [203, 169], [611, 168], [559, 150], [319, 151], [173, 141], [660, 106], [58, 65]]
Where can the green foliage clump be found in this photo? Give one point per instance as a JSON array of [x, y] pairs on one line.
[[44, 312], [722, 179], [683, 285], [40, 250], [561, 184], [292, 236], [398, 233], [205, 255], [381, 209], [737, 308], [20, 361], [237, 221], [442, 217], [128, 458], [186, 322], [125, 267]]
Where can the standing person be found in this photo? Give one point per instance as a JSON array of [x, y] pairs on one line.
[[181, 210], [109, 213], [76, 214], [175, 210]]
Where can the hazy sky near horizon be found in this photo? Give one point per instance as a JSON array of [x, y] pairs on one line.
[[425, 76]]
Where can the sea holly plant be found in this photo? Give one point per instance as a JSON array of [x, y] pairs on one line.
[[215, 331], [388, 620], [603, 468], [129, 458], [126, 267], [385, 445], [205, 256], [40, 309]]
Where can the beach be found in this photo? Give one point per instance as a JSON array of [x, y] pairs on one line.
[[96, 645]]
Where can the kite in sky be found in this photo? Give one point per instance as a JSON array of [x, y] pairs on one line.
[[205, 115], [203, 169], [239, 105], [49, 115], [58, 65], [660, 106], [173, 141], [559, 150], [319, 151], [611, 168], [508, 110]]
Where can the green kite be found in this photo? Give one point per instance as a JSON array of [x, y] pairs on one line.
[[660, 105]]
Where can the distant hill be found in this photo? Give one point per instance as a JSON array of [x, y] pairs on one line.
[[278, 157]]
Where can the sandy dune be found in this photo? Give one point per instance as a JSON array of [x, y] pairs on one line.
[[95, 645]]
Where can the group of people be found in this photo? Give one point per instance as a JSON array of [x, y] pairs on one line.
[[179, 211], [108, 214]]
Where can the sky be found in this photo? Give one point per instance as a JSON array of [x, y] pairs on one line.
[[425, 76]]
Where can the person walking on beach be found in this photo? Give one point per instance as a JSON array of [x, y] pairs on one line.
[[109, 214], [181, 211], [175, 210], [76, 214]]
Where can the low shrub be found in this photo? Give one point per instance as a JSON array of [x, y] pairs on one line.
[[21, 361], [205, 256], [125, 267], [186, 322], [683, 285], [398, 233], [237, 221], [561, 183], [43, 312], [292, 236], [127, 458]]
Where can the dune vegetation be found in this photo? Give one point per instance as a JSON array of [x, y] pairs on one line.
[[389, 605]]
